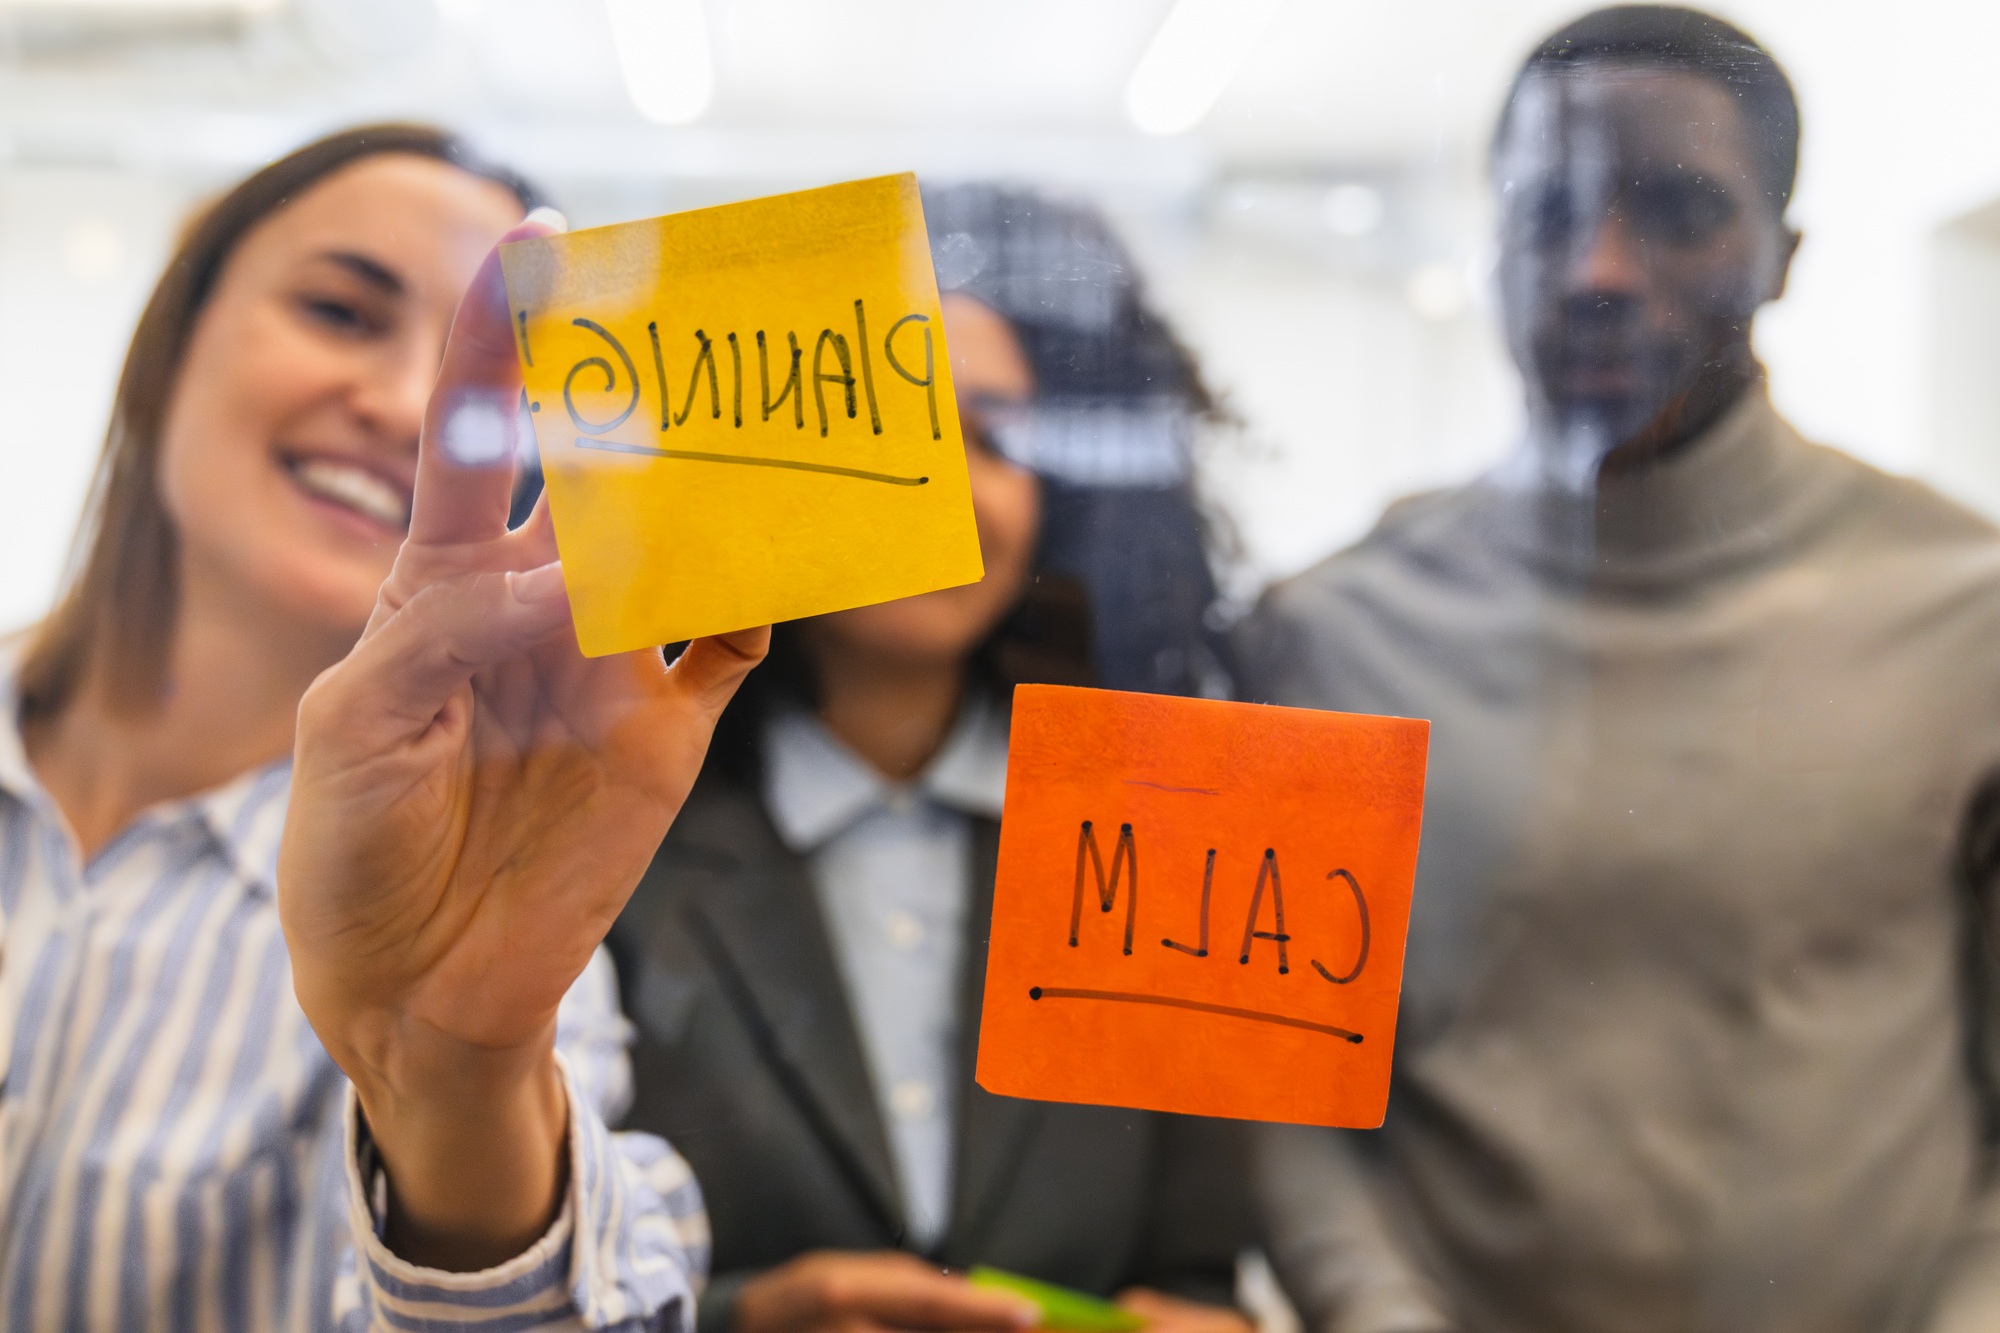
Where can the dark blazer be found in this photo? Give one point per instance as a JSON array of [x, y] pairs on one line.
[[749, 1062]]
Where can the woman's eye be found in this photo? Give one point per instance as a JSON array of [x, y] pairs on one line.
[[337, 315]]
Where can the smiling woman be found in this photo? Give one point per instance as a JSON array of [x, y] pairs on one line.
[[264, 431], [177, 1144]]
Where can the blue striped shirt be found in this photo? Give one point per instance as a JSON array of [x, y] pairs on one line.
[[177, 1150]]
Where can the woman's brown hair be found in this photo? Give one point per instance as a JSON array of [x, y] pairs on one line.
[[119, 597]]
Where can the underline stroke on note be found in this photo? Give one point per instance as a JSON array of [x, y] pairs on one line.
[[1173, 1002], [746, 460]]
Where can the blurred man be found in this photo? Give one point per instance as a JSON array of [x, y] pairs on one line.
[[1692, 1031]]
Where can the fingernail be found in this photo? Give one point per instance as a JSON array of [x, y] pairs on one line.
[[530, 586], [548, 217]]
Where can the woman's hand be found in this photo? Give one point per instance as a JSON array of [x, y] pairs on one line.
[[1172, 1314], [472, 803], [844, 1291], [836, 1291]]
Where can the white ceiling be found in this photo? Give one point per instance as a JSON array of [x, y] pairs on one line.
[[1331, 80], [1902, 115]]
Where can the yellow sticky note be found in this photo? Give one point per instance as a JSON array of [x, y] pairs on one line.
[[745, 413]]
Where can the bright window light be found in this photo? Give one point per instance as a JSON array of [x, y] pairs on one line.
[[1191, 59], [663, 54]]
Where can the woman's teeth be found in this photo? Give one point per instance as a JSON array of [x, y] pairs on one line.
[[357, 488]]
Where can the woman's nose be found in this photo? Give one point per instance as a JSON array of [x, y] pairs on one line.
[[392, 396]]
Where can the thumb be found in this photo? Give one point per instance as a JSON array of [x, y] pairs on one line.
[[709, 671]]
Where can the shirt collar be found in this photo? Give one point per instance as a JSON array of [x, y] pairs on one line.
[[815, 787], [1744, 491], [245, 817]]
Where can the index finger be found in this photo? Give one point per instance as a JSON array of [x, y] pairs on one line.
[[472, 424]]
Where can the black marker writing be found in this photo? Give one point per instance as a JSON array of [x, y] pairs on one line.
[[929, 382], [747, 460], [659, 374], [705, 357], [821, 379], [867, 366], [583, 423], [1125, 865], [834, 362], [1200, 1006], [1267, 873], [1126, 854], [793, 389], [736, 384], [1207, 884], [1361, 958]]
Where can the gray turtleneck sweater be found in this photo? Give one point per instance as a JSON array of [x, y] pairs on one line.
[[1691, 1036]]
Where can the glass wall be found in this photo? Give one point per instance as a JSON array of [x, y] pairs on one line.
[[1321, 232]]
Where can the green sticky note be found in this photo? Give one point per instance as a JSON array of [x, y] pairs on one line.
[[1062, 1309]]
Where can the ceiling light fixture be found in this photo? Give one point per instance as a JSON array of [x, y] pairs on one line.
[[663, 54], [1200, 46]]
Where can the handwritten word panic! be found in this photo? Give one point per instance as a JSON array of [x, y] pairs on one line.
[[744, 413], [840, 362], [1269, 883]]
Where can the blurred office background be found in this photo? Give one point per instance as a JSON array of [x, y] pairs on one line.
[[1303, 179]]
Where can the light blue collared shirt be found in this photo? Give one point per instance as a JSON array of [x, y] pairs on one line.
[[177, 1150], [891, 864]]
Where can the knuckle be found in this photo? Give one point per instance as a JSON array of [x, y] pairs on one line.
[[318, 704], [831, 1289]]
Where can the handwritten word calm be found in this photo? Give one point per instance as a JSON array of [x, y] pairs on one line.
[[1125, 866]]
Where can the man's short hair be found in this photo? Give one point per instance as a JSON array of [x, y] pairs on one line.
[[1673, 37]]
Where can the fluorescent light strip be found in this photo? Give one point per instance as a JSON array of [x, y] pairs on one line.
[[1198, 49]]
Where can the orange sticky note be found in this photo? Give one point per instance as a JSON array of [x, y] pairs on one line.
[[1201, 906]]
